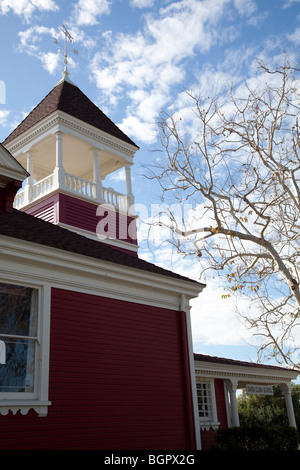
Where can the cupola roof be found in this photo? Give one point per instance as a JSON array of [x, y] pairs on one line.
[[68, 98]]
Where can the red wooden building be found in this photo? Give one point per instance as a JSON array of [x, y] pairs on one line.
[[97, 341], [98, 349]]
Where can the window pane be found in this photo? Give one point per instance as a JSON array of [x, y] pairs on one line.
[[205, 405], [17, 310], [18, 373], [18, 317]]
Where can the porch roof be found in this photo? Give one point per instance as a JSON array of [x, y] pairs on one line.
[[223, 367]]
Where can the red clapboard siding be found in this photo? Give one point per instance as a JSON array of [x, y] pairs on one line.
[[116, 379], [83, 214], [44, 210], [61, 208], [221, 403]]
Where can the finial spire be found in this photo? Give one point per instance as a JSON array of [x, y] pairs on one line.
[[71, 40]]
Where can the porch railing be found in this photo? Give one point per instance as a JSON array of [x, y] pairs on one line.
[[74, 185]]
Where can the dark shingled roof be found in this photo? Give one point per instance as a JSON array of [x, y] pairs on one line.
[[27, 227], [233, 362], [67, 97]]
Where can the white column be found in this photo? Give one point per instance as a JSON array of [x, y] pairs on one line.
[[185, 307], [96, 175], [28, 192], [130, 197], [232, 387], [59, 171], [286, 388]]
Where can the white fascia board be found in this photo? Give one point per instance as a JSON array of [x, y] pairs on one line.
[[33, 135], [60, 121], [244, 373], [96, 136], [9, 167], [77, 272], [11, 174]]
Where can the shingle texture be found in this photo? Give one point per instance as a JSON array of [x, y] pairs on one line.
[[232, 362], [68, 98], [32, 229]]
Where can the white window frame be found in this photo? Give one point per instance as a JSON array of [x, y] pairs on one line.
[[210, 420], [38, 399]]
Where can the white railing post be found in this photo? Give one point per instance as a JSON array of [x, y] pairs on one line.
[[130, 197], [28, 194], [96, 176], [80, 186], [59, 171]]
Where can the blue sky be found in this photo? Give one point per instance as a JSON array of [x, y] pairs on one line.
[[135, 58]]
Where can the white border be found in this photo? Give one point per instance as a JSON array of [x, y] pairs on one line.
[[38, 400]]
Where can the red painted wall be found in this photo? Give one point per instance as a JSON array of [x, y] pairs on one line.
[[46, 209], [116, 380], [61, 208], [7, 195], [208, 438]]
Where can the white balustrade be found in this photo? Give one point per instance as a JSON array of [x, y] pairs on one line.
[[19, 199], [75, 185], [80, 186], [43, 187], [115, 199]]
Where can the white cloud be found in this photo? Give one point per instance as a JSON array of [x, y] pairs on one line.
[[86, 11], [30, 38], [50, 61], [31, 42], [245, 7], [289, 3], [215, 321], [80, 37], [26, 8], [295, 36], [4, 116], [148, 64], [142, 3]]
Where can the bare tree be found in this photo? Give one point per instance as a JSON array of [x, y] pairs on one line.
[[236, 163]]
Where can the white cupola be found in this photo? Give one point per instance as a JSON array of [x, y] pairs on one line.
[[69, 146]]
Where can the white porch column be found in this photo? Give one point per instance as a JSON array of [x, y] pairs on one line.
[[232, 387], [28, 188], [96, 175], [59, 171], [130, 197], [286, 388]]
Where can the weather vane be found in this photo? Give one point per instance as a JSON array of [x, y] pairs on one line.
[[75, 51]]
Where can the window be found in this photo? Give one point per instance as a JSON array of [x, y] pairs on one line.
[[207, 405], [24, 374], [18, 330]]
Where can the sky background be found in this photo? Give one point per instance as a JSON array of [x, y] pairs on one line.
[[135, 58]]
